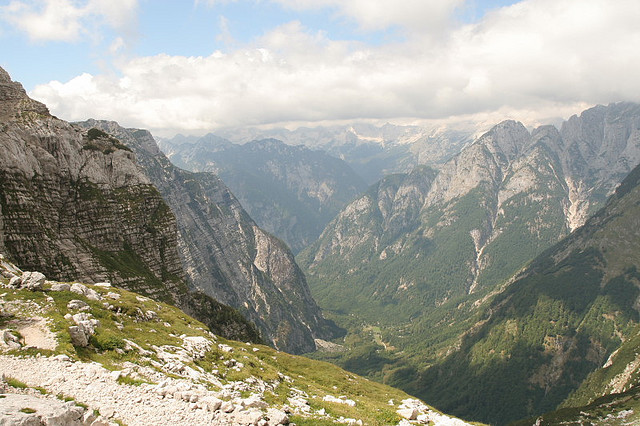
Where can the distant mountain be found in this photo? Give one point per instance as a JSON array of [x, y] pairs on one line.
[[419, 255], [74, 205], [225, 254], [291, 191], [371, 151], [568, 312]]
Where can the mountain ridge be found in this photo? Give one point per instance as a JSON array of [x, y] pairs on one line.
[[226, 255]]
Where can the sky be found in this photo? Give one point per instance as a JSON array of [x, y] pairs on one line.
[[194, 66]]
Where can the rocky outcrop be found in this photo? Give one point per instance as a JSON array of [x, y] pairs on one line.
[[75, 205], [19, 410], [225, 254]]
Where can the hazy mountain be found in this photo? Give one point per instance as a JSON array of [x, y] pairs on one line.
[[225, 254], [372, 151], [290, 191]]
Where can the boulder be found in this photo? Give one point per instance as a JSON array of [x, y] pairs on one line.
[[10, 340], [15, 282], [76, 304], [277, 417], [251, 417], [87, 292], [409, 413], [46, 411], [212, 403], [33, 280], [60, 287], [79, 336]]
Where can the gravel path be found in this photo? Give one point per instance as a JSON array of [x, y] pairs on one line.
[[91, 384]]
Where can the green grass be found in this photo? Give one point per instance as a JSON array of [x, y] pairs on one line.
[[108, 347], [15, 383]]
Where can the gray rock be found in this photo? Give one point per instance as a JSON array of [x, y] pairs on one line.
[[60, 287], [79, 336], [15, 282], [277, 417], [47, 411], [33, 280], [76, 304], [10, 339]]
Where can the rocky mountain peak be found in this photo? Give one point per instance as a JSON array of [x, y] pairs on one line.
[[4, 76], [14, 102], [507, 140]]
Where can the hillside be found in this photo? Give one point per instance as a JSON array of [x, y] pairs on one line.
[[120, 358], [224, 252], [411, 266], [559, 321], [290, 191]]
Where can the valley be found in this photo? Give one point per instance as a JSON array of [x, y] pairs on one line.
[[493, 275]]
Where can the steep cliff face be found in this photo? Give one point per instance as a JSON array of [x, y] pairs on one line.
[[290, 191], [76, 206], [225, 254]]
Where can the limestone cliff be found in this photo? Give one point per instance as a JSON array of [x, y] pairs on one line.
[[76, 206], [225, 254]]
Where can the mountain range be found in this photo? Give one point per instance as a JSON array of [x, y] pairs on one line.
[[420, 256], [498, 281], [290, 191], [77, 206]]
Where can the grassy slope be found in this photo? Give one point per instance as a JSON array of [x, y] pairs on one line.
[[316, 379]]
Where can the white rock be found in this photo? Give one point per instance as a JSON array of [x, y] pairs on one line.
[[341, 400], [409, 413], [277, 417], [76, 304], [48, 411], [78, 288], [212, 403], [104, 284], [60, 287], [33, 280], [227, 407]]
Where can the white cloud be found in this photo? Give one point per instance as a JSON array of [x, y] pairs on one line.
[[531, 60], [46, 20], [67, 20]]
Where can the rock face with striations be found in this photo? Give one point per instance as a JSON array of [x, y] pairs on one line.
[[76, 206], [225, 254]]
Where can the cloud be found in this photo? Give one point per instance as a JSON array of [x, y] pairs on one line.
[[67, 20], [531, 60]]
